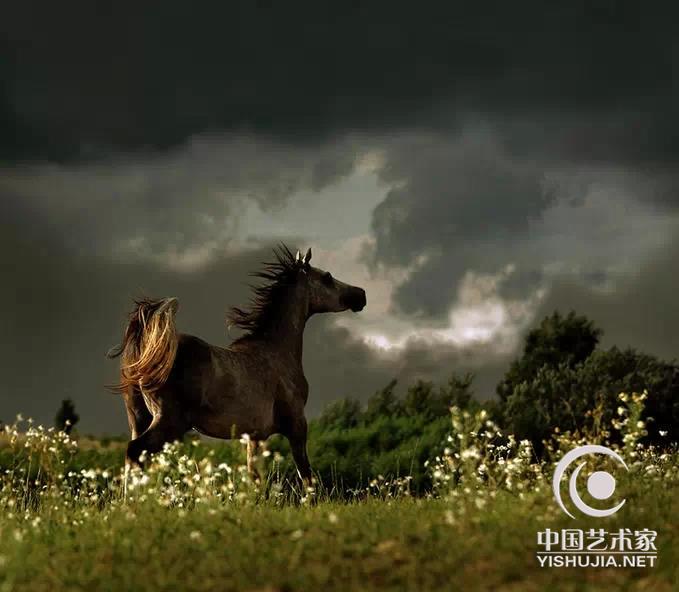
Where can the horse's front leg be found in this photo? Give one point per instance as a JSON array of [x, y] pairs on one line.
[[250, 450], [298, 439]]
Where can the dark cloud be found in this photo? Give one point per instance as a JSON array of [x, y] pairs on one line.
[[463, 202], [183, 205], [643, 310], [459, 203], [82, 81], [134, 139]]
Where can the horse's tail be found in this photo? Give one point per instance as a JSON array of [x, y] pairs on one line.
[[149, 346]]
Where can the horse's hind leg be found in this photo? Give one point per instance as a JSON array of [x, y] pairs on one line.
[[138, 416], [163, 428]]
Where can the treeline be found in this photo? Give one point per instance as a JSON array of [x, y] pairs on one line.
[[351, 444], [562, 379]]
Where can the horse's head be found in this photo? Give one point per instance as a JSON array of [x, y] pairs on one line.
[[327, 294]]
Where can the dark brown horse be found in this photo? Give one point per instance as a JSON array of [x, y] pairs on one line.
[[173, 383]]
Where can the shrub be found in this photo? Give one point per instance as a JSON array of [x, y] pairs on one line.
[[563, 396], [350, 446]]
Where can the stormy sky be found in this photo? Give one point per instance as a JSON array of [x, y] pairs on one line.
[[473, 166]]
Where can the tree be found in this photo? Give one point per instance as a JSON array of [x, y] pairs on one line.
[[418, 398], [66, 417], [341, 415], [563, 396], [557, 341], [384, 403], [458, 391]]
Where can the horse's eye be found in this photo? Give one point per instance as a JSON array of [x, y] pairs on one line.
[[327, 278]]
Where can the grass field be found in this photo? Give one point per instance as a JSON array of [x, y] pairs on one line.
[[193, 522], [375, 544]]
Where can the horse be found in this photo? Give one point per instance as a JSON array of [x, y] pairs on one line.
[[174, 382]]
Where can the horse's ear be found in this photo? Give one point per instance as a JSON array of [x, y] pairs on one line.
[[307, 257], [298, 258]]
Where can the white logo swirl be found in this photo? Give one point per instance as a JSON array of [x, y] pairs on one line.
[[600, 484]]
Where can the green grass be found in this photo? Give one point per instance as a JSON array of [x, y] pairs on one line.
[[368, 545], [194, 520]]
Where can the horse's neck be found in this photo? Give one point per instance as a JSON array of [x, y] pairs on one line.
[[287, 334]]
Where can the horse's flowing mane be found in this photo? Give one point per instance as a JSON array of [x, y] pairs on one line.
[[266, 298]]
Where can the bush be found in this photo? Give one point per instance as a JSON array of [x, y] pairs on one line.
[[571, 393], [350, 446]]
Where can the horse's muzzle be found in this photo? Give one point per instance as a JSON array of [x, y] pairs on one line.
[[355, 299]]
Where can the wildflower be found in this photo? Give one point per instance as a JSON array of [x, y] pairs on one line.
[[195, 535]]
